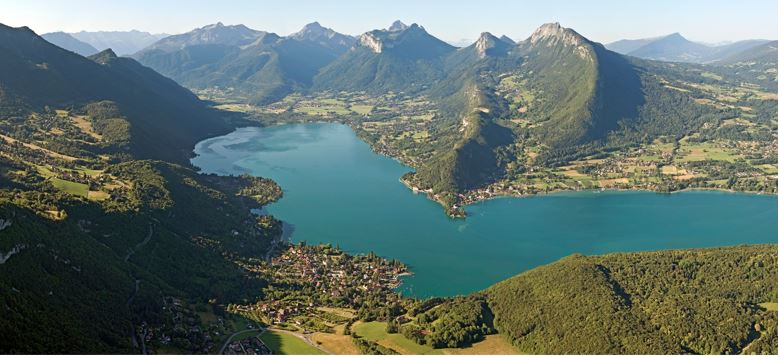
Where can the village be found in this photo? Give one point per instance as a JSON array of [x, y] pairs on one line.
[[305, 280]]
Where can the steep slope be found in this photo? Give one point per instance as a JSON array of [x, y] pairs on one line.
[[124, 43], [401, 58], [550, 99], [165, 119], [92, 237], [584, 89], [262, 67], [70, 43], [80, 284]]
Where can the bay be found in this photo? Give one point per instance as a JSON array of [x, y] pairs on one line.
[[338, 191]]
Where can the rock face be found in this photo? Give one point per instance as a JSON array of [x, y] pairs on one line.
[[370, 40], [5, 223], [553, 34]]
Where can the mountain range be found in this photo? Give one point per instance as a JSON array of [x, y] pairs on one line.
[[676, 48], [261, 65], [586, 97], [106, 227]]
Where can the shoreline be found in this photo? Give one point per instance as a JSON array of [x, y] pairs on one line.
[[428, 194], [459, 208]]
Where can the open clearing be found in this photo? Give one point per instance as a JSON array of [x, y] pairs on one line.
[[376, 331], [286, 344], [336, 343], [492, 345], [770, 306], [69, 187]]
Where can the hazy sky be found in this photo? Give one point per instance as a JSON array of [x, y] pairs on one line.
[[452, 20]]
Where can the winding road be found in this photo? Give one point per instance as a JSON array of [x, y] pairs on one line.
[[140, 244], [229, 339]]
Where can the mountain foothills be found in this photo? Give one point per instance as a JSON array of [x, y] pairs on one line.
[[110, 242]]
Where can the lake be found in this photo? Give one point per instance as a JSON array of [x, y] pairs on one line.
[[336, 190]]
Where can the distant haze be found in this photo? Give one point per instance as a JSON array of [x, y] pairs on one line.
[[603, 21]]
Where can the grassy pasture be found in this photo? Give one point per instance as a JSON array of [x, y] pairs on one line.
[[69, 187], [286, 344], [376, 331]]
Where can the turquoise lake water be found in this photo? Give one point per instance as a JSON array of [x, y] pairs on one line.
[[336, 190]]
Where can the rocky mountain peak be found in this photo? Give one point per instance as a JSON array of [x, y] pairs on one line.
[[485, 42], [489, 45], [398, 26], [554, 33], [104, 56], [327, 37], [313, 31]]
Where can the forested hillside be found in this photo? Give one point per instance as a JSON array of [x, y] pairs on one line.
[[97, 237], [165, 120], [718, 301]]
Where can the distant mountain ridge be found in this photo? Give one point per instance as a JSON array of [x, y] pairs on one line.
[[766, 52], [314, 32], [676, 48], [400, 58], [70, 43], [263, 66], [122, 42], [165, 119]]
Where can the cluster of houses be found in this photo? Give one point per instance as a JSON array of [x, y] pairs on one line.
[[249, 346], [322, 271], [183, 329], [332, 271]]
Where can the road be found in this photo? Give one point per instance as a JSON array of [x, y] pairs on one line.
[[262, 330], [140, 244], [229, 339], [304, 337]]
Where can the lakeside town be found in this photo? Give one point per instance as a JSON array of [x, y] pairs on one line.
[[305, 278]]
